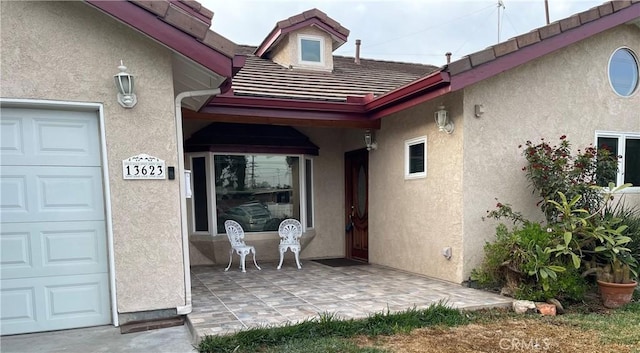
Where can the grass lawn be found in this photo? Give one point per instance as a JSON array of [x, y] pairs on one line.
[[583, 329]]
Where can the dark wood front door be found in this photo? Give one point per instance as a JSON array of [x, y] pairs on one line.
[[357, 204]]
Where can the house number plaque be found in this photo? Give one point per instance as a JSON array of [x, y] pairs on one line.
[[143, 166]]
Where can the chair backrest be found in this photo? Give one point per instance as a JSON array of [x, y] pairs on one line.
[[235, 233], [290, 231]]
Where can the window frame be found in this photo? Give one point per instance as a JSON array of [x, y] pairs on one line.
[[309, 197], [637, 64], [319, 39], [407, 158], [211, 196], [622, 138], [191, 202]]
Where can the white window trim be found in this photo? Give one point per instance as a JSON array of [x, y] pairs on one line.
[[208, 157], [622, 137], [314, 38], [311, 195], [635, 56], [407, 158]]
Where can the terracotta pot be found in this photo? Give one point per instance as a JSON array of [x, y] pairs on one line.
[[616, 294]]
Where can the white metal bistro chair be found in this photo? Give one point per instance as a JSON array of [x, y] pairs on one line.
[[290, 231], [235, 233]]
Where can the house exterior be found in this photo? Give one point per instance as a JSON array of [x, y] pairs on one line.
[[416, 201], [82, 245], [348, 146]]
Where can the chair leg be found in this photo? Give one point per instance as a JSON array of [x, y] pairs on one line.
[[296, 252], [242, 256], [254, 259], [230, 258], [282, 251]]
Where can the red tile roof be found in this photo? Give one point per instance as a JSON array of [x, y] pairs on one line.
[[542, 34], [264, 78], [182, 25], [311, 17], [256, 99]]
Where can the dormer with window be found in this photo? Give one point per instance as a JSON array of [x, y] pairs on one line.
[[305, 41]]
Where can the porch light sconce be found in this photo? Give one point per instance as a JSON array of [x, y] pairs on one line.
[[124, 83], [478, 110], [368, 140], [443, 121]]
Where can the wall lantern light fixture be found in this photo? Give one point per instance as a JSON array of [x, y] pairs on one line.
[[124, 83], [442, 120], [368, 140]]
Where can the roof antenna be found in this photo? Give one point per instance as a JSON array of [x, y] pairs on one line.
[[546, 9], [500, 4]]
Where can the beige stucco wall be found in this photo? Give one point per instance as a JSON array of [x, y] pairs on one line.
[[69, 51], [566, 92], [286, 52], [411, 221]]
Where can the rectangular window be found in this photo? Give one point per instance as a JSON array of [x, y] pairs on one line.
[[627, 147], [200, 208], [308, 186], [415, 158], [257, 191], [311, 49]]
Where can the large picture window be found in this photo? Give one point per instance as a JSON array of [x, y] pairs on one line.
[[259, 191], [627, 146]]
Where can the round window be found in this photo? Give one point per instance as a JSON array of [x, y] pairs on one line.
[[623, 72]]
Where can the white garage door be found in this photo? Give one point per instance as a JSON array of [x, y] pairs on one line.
[[53, 244]]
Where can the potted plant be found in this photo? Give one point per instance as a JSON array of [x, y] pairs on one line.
[[613, 263]]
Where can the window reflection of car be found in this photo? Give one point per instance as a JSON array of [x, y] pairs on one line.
[[251, 217]]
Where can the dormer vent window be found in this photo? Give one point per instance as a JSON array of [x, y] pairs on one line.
[[311, 50]]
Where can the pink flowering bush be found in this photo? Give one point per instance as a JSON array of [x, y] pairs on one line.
[[552, 169]]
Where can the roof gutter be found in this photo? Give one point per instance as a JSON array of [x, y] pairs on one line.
[[414, 93]]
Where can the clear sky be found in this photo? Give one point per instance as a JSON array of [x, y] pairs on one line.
[[420, 31]]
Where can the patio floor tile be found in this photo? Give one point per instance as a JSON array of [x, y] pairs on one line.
[[226, 302]]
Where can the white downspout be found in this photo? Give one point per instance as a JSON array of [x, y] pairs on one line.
[[186, 309]]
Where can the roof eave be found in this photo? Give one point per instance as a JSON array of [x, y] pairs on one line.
[[276, 35], [414, 93], [478, 71], [273, 110], [173, 38]]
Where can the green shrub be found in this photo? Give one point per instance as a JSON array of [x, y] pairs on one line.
[[538, 262], [569, 286]]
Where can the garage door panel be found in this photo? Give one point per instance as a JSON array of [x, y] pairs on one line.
[[18, 304], [13, 194], [48, 137], [11, 137], [15, 251], [53, 249], [51, 194], [65, 302]]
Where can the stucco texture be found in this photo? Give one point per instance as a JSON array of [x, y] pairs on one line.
[[563, 93], [412, 220], [69, 51]]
